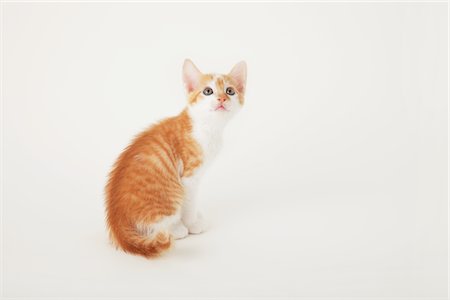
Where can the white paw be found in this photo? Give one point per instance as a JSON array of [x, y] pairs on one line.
[[179, 231], [198, 226]]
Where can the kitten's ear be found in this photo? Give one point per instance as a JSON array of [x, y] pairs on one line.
[[239, 74], [191, 75]]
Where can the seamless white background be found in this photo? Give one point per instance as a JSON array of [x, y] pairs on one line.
[[332, 182]]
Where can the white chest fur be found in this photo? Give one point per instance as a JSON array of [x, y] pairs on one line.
[[209, 137], [207, 131]]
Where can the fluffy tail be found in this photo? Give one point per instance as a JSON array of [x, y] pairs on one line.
[[126, 237]]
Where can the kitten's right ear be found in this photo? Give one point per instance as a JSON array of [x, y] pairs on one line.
[[191, 75]]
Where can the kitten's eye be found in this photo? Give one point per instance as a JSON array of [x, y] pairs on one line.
[[207, 91], [230, 91]]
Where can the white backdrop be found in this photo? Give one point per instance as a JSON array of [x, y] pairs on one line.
[[332, 182]]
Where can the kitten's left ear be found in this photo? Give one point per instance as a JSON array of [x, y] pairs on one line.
[[239, 74], [191, 75]]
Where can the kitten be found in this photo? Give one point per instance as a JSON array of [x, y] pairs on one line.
[[150, 195]]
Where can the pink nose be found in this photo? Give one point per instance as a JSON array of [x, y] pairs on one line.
[[222, 99]]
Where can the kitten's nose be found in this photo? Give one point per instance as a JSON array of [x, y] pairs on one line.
[[222, 99]]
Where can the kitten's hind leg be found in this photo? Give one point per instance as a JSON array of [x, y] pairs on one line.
[[197, 224], [178, 230], [171, 224], [174, 225]]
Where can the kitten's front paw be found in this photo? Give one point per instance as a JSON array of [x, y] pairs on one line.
[[198, 226]]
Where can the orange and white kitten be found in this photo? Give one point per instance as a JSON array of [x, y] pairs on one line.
[[150, 195]]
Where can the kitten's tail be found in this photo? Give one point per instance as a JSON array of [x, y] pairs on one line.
[[126, 237]]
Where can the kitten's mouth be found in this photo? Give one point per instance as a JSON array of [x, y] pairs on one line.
[[221, 107]]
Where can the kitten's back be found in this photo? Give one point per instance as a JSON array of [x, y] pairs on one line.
[[144, 186]]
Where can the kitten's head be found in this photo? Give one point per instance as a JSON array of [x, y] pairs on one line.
[[215, 94]]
